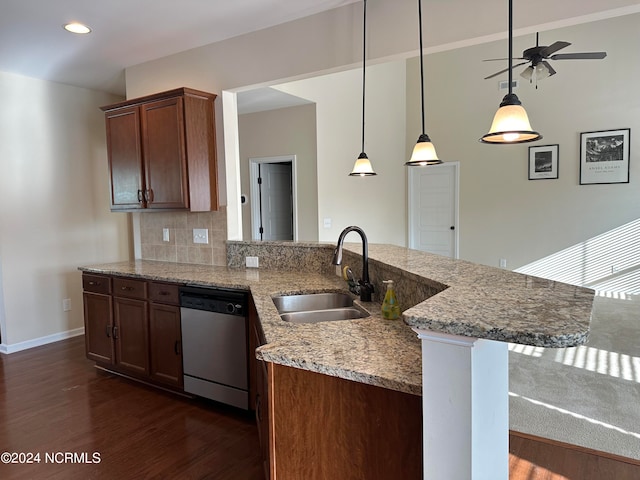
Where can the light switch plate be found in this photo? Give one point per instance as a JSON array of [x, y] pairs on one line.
[[165, 234], [200, 235]]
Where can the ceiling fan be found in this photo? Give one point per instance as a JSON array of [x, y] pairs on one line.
[[537, 56]]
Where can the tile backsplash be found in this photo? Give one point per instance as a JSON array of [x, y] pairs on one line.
[[180, 247]]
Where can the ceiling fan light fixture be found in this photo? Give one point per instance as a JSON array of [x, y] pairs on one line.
[[527, 73], [542, 71], [511, 124], [424, 153]]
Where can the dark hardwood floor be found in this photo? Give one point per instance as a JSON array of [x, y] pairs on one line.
[[52, 401]]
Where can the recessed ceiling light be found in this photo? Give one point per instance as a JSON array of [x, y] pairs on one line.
[[76, 27]]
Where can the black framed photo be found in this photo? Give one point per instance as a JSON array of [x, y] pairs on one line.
[[543, 162], [604, 156]]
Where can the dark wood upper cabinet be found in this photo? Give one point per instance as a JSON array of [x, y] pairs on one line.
[[162, 152]]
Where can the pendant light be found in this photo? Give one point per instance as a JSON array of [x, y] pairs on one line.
[[362, 167], [511, 123], [424, 153]]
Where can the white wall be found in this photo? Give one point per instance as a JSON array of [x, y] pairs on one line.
[[377, 204], [285, 131], [54, 206], [502, 213]]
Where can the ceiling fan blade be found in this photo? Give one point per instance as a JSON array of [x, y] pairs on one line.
[[553, 48], [549, 67], [495, 59], [579, 56], [505, 70]]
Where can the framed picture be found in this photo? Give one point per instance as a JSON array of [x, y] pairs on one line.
[[543, 162], [604, 156]]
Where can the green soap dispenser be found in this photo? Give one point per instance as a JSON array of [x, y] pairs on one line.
[[390, 307]]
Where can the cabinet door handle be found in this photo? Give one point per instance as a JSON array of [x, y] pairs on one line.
[[115, 333], [140, 197], [148, 195], [108, 331], [258, 407], [176, 347]]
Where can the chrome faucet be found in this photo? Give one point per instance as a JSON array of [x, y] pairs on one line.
[[364, 288]]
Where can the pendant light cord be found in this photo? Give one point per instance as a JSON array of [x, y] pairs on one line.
[[421, 66], [364, 54], [510, 46]]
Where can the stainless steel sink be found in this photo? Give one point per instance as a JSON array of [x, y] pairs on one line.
[[317, 307], [312, 301], [330, 315]]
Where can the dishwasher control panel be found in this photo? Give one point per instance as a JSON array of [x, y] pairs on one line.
[[231, 302]]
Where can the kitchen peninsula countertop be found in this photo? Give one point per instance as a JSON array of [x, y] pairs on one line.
[[476, 301]]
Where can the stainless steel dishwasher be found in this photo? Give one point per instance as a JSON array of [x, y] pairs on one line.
[[214, 344]]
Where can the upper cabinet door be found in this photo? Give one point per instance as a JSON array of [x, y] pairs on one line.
[[164, 154], [125, 158]]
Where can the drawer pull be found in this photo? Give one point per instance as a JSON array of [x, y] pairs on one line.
[[92, 283], [126, 289], [164, 293]]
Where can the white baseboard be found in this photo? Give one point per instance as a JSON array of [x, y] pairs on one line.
[[37, 342]]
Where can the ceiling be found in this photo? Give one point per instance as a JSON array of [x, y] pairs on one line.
[[130, 32], [126, 33]]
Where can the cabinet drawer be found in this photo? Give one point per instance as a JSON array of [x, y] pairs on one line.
[[125, 287], [96, 283], [164, 293]]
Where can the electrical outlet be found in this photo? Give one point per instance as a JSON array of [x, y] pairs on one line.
[[251, 262], [200, 235], [165, 234], [66, 304], [503, 263]]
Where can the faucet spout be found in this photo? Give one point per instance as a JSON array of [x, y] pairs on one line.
[[366, 288]]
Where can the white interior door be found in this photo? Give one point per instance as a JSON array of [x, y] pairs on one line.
[[433, 208]]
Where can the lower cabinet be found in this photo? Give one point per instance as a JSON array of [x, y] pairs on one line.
[[98, 307], [327, 427], [131, 335], [165, 344], [132, 327]]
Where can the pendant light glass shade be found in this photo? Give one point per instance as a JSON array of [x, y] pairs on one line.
[[424, 153], [511, 122], [363, 167]]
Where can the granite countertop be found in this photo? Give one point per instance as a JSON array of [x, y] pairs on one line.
[[487, 302], [474, 300]]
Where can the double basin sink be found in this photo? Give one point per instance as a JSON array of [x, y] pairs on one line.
[[317, 307]]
